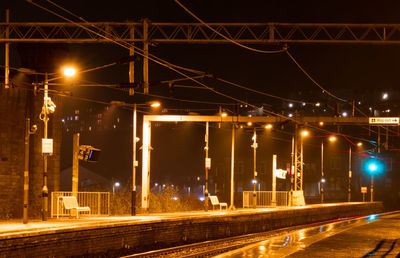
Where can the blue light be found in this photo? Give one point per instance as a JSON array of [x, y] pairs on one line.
[[372, 217], [372, 167]]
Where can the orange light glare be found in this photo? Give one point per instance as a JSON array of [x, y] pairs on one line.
[[155, 104], [332, 138], [359, 144], [249, 123], [268, 126], [304, 133], [321, 123], [69, 71]]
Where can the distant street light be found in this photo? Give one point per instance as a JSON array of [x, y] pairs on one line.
[[254, 146]]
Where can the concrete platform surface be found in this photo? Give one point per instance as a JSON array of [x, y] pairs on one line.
[[15, 228]]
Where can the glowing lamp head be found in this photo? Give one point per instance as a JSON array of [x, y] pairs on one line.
[[332, 138], [321, 123], [155, 104], [268, 126], [69, 71], [224, 114], [249, 123], [359, 144], [304, 133]]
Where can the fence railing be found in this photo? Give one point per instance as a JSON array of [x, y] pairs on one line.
[[98, 202], [264, 199]]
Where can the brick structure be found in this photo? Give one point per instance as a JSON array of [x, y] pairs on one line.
[[17, 104]]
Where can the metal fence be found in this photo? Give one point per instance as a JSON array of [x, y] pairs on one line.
[[98, 202], [264, 199]]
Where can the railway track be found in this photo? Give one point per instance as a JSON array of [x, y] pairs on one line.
[[215, 247]]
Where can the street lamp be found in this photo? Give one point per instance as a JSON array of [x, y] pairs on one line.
[[135, 139], [331, 139], [254, 146], [47, 144]]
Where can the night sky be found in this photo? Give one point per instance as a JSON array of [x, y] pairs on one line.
[[336, 67]]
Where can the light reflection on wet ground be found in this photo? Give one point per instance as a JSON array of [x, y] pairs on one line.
[[291, 242]]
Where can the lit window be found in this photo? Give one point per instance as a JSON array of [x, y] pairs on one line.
[[76, 118], [99, 115], [118, 120], [115, 126], [99, 122], [63, 120], [77, 112], [90, 128]]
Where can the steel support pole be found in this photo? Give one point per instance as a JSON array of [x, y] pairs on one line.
[[26, 171], [134, 162], [206, 169], [254, 168], [292, 173], [45, 190], [75, 165], [350, 174], [146, 56], [132, 63], [273, 201], [322, 172], [7, 53], [232, 206], [372, 187]]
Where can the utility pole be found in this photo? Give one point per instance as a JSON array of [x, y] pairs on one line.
[[135, 163], [45, 190], [349, 189], [7, 53], [254, 146], [146, 56], [28, 132], [322, 172], [273, 202], [75, 165], [206, 170], [232, 206]]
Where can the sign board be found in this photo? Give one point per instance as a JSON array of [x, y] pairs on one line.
[[364, 189], [280, 173], [47, 146], [208, 163], [384, 120]]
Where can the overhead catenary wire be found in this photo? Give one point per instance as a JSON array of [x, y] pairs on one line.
[[225, 37], [166, 64]]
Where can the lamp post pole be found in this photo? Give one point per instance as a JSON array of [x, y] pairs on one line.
[[322, 172], [133, 205], [372, 187], [28, 132], [206, 169], [45, 190], [254, 168], [349, 188]]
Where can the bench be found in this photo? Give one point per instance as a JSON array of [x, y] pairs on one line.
[[215, 202], [70, 203]]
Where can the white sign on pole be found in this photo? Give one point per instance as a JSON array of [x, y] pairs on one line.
[[47, 146], [280, 173], [208, 163], [384, 120]]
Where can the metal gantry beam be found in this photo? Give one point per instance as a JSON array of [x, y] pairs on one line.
[[251, 33]]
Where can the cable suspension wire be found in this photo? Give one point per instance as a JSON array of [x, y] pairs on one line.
[[225, 37], [157, 60], [200, 72]]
